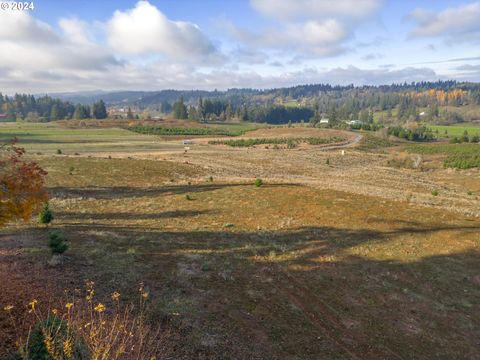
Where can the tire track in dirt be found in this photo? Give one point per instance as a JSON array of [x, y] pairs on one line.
[[323, 317]]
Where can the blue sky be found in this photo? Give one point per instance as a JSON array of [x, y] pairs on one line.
[[188, 44]]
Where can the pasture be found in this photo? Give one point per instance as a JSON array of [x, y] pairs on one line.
[[455, 130], [338, 259]]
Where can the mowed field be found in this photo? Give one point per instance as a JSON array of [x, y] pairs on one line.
[[338, 259], [456, 130]]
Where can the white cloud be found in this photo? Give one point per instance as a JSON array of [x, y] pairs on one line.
[[144, 50], [27, 44], [316, 9], [76, 30], [460, 22], [311, 28], [319, 38], [20, 26], [144, 29]]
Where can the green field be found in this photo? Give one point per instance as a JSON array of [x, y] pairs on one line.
[[460, 156], [48, 137], [455, 130]]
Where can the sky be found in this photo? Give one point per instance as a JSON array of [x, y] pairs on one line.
[[90, 45]]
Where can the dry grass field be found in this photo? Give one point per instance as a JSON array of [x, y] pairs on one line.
[[336, 256]]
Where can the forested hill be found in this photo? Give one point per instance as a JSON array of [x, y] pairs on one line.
[[441, 101], [300, 92]]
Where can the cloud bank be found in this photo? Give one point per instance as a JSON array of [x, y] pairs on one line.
[[140, 48]]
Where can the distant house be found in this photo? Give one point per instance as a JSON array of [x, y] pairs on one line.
[[3, 116], [354, 122], [324, 121], [187, 142]]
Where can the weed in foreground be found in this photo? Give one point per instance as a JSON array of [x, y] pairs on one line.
[[85, 329]]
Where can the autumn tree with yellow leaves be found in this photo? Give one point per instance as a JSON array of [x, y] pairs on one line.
[[22, 191]]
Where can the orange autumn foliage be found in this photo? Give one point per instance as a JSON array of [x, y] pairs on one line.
[[22, 189]]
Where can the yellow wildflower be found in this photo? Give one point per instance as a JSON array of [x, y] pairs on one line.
[[32, 305], [8, 308], [69, 305], [145, 295], [100, 308], [48, 342], [68, 348], [54, 311], [115, 296]]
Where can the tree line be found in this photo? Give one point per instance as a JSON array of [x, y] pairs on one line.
[[24, 107]]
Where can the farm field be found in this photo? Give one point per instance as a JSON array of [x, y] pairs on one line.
[[335, 256], [456, 130]]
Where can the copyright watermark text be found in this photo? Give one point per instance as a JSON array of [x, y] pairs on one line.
[[17, 5]]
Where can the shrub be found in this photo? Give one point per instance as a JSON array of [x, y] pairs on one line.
[[435, 193], [46, 215], [258, 182], [71, 170], [419, 134], [475, 139], [327, 161], [405, 161], [53, 333], [86, 329], [188, 197], [57, 243], [59, 152]]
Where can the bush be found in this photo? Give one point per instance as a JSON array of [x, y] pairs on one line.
[[57, 243], [435, 193], [59, 152], [46, 215], [86, 329], [419, 134], [258, 182], [53, 333]]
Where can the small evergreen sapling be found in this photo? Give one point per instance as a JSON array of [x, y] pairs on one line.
[[46, 215], [57, 243]]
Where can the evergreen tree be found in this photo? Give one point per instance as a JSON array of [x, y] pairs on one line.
[[54, 115], [99, 110], [192, 113], [130, 114], [333, 116], [81, 112], [180, 110]]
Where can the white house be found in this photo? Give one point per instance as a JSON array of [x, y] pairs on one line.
[[354, 122], [324, 121]]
